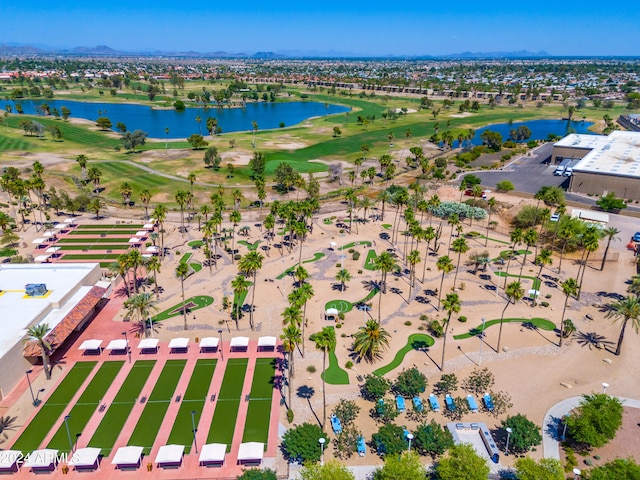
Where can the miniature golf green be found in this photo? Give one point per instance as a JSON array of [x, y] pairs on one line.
[[87, 404], [116, 416], [334, 375], [193, 400], [196, 266], [256, 426], [344, 306], [228, 403], [90, 257], [386, 226], [196, 243], [541, 323], [316, 256], [355, 244], [150, 421], [41, 424], [536, 281], [488, 238], [370, 262], [239, 301], [416, 341], [250, 246], [192, 303]]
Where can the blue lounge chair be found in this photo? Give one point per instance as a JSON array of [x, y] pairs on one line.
[[336, 425], [473, 405], [417, 405], [380, 406], [362, 449], [488, 402], [400, 403], [433, 401], [451, 405]]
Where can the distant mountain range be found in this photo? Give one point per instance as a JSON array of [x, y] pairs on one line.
[[105, 51]]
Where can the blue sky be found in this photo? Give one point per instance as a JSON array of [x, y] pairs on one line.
[[408, 27]]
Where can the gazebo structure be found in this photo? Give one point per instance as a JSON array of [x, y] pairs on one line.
[[250, 453], [148, 345], [239, 344], [170, 455], [209, 344], [40, 460], [9, 461], [91, 347], [213, 454], [178, 345], [266, 344], [331, 314], [127, 457], [85, 458]]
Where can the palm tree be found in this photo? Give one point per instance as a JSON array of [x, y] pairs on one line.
[[590, 243], [134, 260], [452, 305], [530, 238], [240, 285], [569, 288], [445, 265], [326, 341], [254, 125], [38, 334], [249, 265], [182, 272], [370, 341], [121, 267], [125, 192], [385, 262], [305, 293], [94, 174], [343, 276], [544, 258], [412, 259], [140, 306], [153, 265], [181, 200], [459, 246], [235, 218], [516, 239], [96, 205], [290, 339], [199, 122], [610, 233], [491, 204], [427, 234], [627, 309], [160, 215], [82, 161], [145, 198], [514, 292], [454, 221], [384, 197]]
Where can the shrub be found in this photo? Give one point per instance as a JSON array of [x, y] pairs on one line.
[[410, 382], [338, 325], [479, 381], [289, 415], [389, 439], [596, 420], [347, 411], [525, 435], [348, 365], [408, 323], [462, 318], [436, 329], [311, 369], [300, 444], [356, 255], [374, 387], [544, 304], [359, 272]]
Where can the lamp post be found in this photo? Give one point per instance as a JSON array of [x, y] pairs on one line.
[[220, 344], [410, 437], [481, 341], [151, 327], [564, 429], [506, 450], [321, 440], [126, 339], [605, 385], [194, 429], [66, 424], [33, 398]]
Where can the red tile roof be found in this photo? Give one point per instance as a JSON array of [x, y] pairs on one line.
[[61, 331]]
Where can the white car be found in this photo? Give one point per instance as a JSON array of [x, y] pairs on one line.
[[555, 217]]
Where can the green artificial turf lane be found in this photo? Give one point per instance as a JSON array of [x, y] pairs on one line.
[[541, 323], [97, 226], [50, 411], [114, 419], [257, 423], [91, 241], [194, 399], [150, 421], [416, 341], [87, 404], [90, 256], [224, 418], [122, 247]]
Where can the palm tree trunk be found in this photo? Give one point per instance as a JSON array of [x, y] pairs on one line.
[[584, 267], [604, 257], [564, 309], [455, 277], [324, 389], [47, 367], [293, 350], [184, 307], [501, 322], [444, 345], [621, 337], [253, 296]]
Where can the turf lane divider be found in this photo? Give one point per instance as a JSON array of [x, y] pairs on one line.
[[228, 402], [40, 425], [146, 430], [86, 405], [258, 418], [116, 415], [194, 398]]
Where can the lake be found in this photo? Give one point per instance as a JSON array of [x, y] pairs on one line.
[[181, 124], [540, 129]]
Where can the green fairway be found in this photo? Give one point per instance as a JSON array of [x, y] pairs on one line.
[[370, 262], [92, 240], [86, 406], [417, 341], [258, 420], [193, 400], [355, 244], [116, 416], [541, 323], [228, 403], [98, 226], [335, 375], [50, 411], [193, 303], [123, 247], [90, 257], [250, 246], [9, 144], [316, 256], [150, 421]]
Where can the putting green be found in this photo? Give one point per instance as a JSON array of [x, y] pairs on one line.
[[370, 262], [258, 420], [386, 226], [196, 243], [224, 418], [355, 244], [536, 281], [334, 375], [316, 256], [416, 341], [541, 323], [193, 303], [341, 305], [250, 246]]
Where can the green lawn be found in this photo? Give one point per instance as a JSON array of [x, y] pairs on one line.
[[316, 256], [98, 226], [257, 423], [105, 246], [370, 262], [355, 244], [98, 233], [536, 281], [87, 404], [417, 341], [89, 257], [335, 375], [50, 411], [200, 301], [250, 246], [193, 400], [89, 241], [116, 416], [541, 323], [228, 402], [9, 144], [150, 421]]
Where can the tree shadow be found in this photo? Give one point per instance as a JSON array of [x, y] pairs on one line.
[[593, 340], [306, 392], [613, 295], [531, 326]]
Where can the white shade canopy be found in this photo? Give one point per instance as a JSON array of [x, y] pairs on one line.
[[179, 343], [141, 233], [85, 457], [52, 249], [41, 458], [60, 226], [250, 451], [148, 343], [148, 226], [239, 342], [267, 342], [134, 240], [332, 244], [41, 258], [69, 220], [49, 233], [170, 454], [9, 458], [92, 344], [209, 342], [127, 456], [332, 311], [118, 344], [213, 452], [152, 249], [38, 241]]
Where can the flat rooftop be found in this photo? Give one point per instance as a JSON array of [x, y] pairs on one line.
[[617, 154]]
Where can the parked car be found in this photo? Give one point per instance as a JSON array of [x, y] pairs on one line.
[[636, 237], [555, 217]]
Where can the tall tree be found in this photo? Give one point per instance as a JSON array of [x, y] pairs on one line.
[[530, 238], [459, 246], [370, 341], [240, 286], [38, 333], [514, 293], [160, 215], [611, 234], [249, 265], [569, 288], [182, 272], [385, 263], [451, 304], [290, 339], [626, 309], [325, 341], [445, 265]]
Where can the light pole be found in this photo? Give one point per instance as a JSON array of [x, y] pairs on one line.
[[126, 339], [151, 327], [605, 385], [577, 473], [506, 450], [194, 429], [410, 437], [220, 344], [66, 424], [321, 440], [481, 341], [564, 429], [33, 398]]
